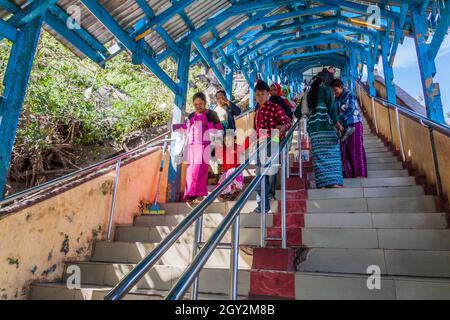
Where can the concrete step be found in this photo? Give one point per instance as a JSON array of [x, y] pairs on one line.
[[328, 286], [387, 173], [378, 154], [384, 166], [248, 236], [377, 149], [377, 220], [381, 181], [180, 254], [384, 205], [388, 159], [398, 239], [215, 207], [209, 220], [373, 192], [59, 291], [356, 261], [162, 278]]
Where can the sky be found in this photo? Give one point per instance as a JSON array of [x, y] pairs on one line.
[[407, 75]]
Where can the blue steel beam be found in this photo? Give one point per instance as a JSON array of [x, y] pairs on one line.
[[361, 8], [161, 31], [174, 172], [7, 31], [387, 69], [440, 32], [162, 18], [311, 54], [78, 37], [427, 67], [207, 58], [398, 32], [28, 13], [108, 21], [15, 81]]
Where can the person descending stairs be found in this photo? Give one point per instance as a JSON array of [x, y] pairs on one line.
[[379, 237]]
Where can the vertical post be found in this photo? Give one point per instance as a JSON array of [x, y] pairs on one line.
[[230, 75], [388, 72], [251, 103], [283, 198], [113, 201], [399, 132], [197, 240], [370, 75], [431, 91], [15, 81], [174, 176], [234, 259]]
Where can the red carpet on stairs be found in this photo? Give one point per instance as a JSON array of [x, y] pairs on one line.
[[273, 268]]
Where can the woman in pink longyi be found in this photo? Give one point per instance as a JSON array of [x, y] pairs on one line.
[[198, 154]]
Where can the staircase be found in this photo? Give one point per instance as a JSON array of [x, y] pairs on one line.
[[334, 235]]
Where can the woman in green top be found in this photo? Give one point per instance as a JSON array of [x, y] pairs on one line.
[[323, 121]]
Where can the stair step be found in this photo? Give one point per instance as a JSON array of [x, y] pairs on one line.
[[378, 154], [215, 207], [248, 236], [388, 159], [377, 149], [387, 173], [377, 220], [384, 205], [385, 166], [356, 261], [59, 291], [352, 238], [180, 254], [209, 220], [312, 286], [375, 192], [161, 277], [380, 182]]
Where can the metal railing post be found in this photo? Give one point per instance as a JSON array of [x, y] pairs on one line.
[[399, 131], [234, 259], [283, 199], [113, 202], [299, 146], [374, 113], [197, 240], [436, 163], [263, 210]]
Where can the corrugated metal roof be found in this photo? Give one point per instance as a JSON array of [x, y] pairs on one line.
[[128, 12]]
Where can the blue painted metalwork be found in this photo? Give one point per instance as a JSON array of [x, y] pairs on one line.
[[269, 43], [432, 94], [15, 82]]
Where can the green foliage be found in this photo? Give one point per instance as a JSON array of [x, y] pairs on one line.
[[58, 104]]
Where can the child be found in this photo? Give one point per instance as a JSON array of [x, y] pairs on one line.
[[198, 123], [230, 154]]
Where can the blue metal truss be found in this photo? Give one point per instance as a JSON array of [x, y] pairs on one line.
[[274, 44]]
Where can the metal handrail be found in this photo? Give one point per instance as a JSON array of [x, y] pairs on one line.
[[443, 128], [144, 266], [233, 217], [125, 285], [54, 182]]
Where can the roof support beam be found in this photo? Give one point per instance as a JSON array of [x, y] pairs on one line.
[[311, 54], [440, 33], [207, 58], [7, 31], [427, 67], [16, 81], [108, 21], [32, 10]]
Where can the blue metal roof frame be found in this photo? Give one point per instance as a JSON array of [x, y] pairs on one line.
[[272, 39], [261, 30]]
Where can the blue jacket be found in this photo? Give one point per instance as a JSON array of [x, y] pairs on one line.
[[348, 109], [232, 112]]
